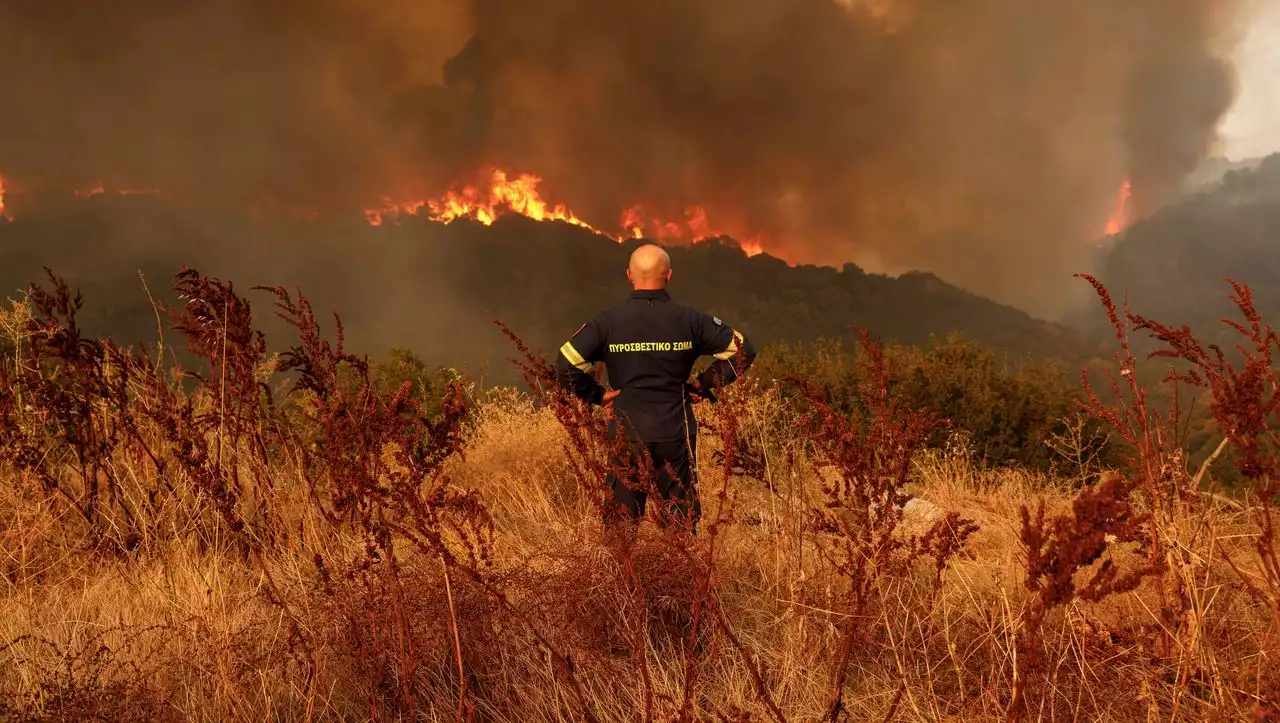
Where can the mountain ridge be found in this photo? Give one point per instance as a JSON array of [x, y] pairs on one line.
[[437, 288]]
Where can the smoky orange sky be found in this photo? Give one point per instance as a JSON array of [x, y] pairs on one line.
[[983, 140]]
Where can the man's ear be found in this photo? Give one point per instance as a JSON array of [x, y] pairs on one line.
[[629, 276], [669, 275]]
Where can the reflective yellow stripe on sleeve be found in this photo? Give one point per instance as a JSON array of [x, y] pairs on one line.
[[732, 349], [574, 357]]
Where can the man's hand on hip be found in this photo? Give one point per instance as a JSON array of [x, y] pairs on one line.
[[698, 394], [609, 396]]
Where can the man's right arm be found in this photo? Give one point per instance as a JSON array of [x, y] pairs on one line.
[[575, 360]]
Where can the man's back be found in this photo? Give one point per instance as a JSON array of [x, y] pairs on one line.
[[649, 345]]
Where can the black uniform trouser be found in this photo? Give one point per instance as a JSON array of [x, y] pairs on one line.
[[667, 468]]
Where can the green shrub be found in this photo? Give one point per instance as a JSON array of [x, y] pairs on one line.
[[1012, 412]]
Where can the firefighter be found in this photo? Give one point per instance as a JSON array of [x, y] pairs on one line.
[[649, 345]]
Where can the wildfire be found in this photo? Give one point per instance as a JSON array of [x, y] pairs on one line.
[[1120, 215], [693, 228], [100, 188], [96, 190], [486, 202], [520, 195]]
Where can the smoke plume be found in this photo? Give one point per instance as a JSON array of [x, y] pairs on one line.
[[982, 140]]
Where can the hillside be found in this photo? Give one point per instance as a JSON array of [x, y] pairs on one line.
[[1173, 264], [1212, 170], [436, 288]]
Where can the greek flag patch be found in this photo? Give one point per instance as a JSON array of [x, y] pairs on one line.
[[716, 319]]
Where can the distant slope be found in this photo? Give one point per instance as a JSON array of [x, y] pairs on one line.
[[1174, 264], [436, 288], [1212, 170]]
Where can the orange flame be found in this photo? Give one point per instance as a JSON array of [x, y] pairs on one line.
[[694, 228], [520, 195], [4, 216], [1120, 215], [100, 188], [96, 190]]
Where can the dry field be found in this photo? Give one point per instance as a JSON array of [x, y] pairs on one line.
[[281, 542]]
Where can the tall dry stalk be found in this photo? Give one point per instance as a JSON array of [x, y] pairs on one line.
[[1244, 402], [866, 466]]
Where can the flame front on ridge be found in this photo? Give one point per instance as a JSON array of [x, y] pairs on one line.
[[504, 194], [695, 227], [520, 195]]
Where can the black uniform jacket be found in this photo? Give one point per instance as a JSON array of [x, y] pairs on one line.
[[649, 345]]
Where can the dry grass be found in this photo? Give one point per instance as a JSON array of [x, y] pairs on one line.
[[480, 587], [189, 629]]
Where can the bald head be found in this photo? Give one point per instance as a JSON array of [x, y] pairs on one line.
[[650, 268]]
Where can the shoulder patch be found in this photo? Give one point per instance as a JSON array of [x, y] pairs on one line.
[[716, 319]]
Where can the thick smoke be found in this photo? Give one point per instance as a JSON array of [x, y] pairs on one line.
[[982, 140], [305, 104]]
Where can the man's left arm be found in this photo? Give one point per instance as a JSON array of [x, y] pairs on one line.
[[732, 351], [575, 360]]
